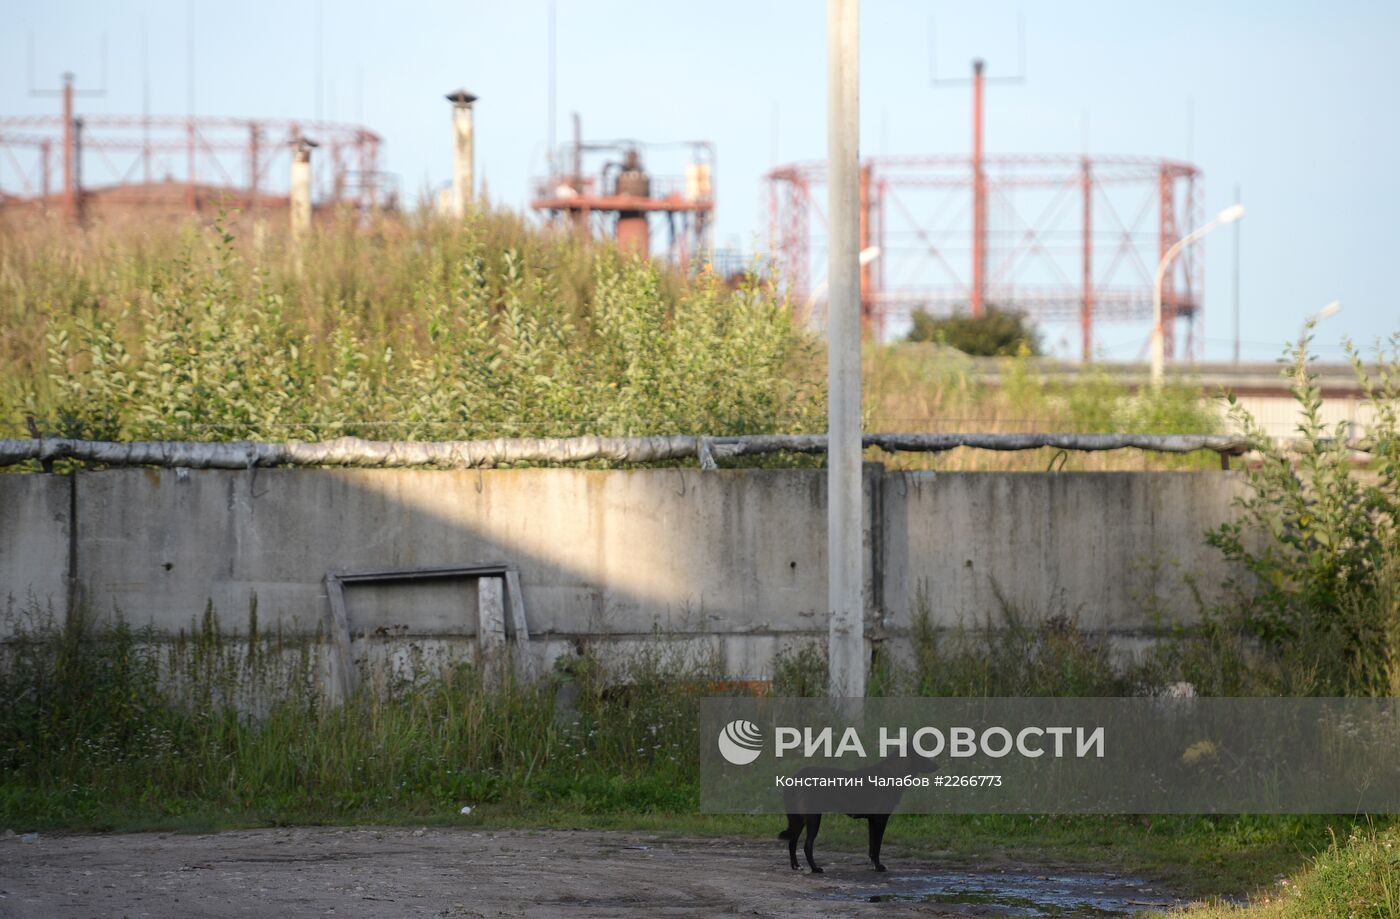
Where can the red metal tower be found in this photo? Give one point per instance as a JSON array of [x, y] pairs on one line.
[[1016, 242], [1064, 237]]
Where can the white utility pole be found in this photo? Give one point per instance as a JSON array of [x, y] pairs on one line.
[[845, 574]]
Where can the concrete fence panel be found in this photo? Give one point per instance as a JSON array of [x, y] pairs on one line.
[[735, 556]]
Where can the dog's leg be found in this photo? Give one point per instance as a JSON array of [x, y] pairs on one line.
[[877, 836], [792, 834], [814, 823]]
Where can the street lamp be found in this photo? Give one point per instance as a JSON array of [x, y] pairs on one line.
[[1229, 215], [1330, 309]]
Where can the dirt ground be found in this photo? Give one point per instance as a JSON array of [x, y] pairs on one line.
[[371, 872]]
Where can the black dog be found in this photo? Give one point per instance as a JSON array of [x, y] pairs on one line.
[[805, 805]]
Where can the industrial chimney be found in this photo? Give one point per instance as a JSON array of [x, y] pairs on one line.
[[463, 151], [300, 201], [633, 232]]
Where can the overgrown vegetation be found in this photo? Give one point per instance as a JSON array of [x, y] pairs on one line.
[[1016, 652], [103, 721], [1320, 544], [417, 330], [103, 726], [920, 387], [1357, 877]]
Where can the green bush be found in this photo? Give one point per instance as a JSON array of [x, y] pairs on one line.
[[1319, 543], [996, 333]]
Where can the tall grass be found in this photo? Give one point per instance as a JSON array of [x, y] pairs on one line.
[[1012, 651], [925, 387], [106, 726], [1357, 877], [101, 722]]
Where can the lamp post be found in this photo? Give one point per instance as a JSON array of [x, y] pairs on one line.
[[1229, 215]]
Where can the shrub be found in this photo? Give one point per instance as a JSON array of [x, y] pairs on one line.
[[1318, 543], [996, 333], [801, 670]]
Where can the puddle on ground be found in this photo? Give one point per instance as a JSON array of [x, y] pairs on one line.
[[1013, 893]]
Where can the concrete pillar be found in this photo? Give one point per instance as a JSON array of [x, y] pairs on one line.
[[491, 615], [845, 575], [463, 152], [300, 201]]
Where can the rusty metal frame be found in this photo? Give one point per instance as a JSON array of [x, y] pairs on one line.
[[225, 158], [1059, 257], [338, 619]]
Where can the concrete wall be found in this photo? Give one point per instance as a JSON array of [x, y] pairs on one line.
[[734, 554], [34, 541], [1113, 549]]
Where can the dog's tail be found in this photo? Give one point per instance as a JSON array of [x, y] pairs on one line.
[[790, 833]]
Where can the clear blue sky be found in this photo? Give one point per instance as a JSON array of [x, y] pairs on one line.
[[1295, 101]]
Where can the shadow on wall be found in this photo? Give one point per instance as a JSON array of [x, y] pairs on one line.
[[734, 557], [721, 555]]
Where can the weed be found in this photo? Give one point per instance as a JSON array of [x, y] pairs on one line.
[[99, 718], [1319, 545]]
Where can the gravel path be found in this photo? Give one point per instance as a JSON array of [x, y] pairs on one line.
[[365, 872], [372, 872]]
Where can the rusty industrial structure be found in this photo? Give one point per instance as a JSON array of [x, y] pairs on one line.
[[1059, 237], [621, 197], [181, 164]]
